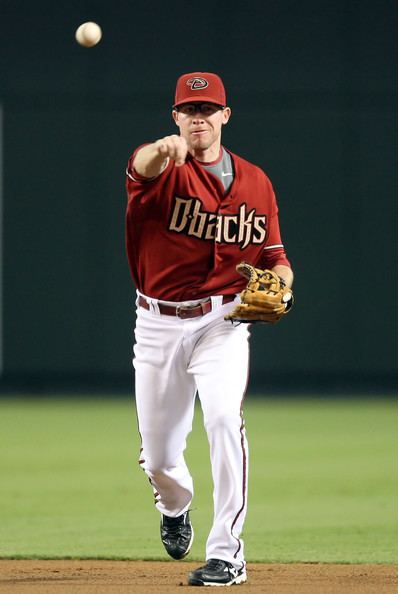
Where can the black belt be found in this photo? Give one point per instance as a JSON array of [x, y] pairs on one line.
[[185, 311]]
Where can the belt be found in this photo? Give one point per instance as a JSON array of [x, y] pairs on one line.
[[185, 311]]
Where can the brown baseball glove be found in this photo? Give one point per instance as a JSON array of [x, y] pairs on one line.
[[265, 299]]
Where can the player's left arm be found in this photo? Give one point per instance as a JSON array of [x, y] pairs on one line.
[[274, 256]]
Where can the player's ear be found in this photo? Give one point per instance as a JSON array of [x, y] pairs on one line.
[[226, 114], [175, 116]]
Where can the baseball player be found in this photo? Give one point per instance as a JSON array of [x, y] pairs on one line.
[[195, 210]]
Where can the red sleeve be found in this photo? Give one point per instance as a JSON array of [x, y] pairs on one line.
[[274, 251], [131, 172]]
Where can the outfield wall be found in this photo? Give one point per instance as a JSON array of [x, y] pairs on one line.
[[314, 98]]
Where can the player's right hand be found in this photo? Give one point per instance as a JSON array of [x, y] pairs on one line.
[[174, 147]]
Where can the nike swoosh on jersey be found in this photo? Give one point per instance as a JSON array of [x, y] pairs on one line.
[[225, 174]]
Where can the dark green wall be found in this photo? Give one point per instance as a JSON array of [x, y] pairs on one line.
[[313, 90]]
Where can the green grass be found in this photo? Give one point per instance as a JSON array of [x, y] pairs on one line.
[[323, 481]]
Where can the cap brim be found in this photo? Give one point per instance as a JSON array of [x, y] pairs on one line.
[[198, 99]]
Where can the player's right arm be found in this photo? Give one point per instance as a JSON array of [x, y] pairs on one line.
[[152, 159]]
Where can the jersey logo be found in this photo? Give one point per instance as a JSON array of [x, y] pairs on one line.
[[197, 83], [243, 228]]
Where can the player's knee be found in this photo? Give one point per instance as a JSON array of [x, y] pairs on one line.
[[157, 475], [222, 420], [154, 468], [159, 465]]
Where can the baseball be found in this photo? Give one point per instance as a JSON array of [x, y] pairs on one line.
[[88, 34]]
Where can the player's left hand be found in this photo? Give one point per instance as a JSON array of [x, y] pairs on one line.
[[265, 299]]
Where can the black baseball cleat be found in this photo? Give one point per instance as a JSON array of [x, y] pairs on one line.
[[176, 535], [217, 573]]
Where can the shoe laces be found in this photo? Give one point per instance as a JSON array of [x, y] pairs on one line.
[[173, 525], [216, 563]]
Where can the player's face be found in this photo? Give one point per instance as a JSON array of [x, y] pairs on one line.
[[200, 124]]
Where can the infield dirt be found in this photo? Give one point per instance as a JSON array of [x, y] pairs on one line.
[[145, 577]]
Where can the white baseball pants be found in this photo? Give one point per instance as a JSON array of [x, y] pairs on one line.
[[174, 359]]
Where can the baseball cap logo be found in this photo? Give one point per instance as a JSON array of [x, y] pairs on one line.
[[197, 83]]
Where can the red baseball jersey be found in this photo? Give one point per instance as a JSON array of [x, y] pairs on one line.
[[185, 234]]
